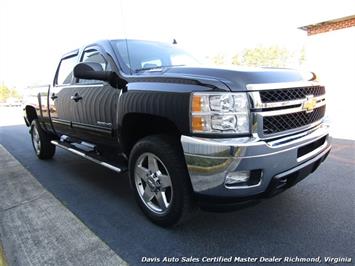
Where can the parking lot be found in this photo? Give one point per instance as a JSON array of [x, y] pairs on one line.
[[314, 218]]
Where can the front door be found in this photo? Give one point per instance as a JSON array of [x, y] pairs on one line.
[[96, 107]]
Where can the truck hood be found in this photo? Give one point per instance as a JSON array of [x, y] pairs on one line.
[[237, 78]]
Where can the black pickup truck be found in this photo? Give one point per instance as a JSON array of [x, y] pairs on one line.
[[188, 135]]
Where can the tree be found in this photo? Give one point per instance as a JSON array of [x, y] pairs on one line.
[[6, 93], [218, 59], [272, 56], [236, 60], [265, 56]]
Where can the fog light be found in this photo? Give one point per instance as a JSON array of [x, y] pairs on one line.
[[237, 177]]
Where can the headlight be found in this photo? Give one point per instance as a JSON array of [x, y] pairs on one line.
[[220, 113]]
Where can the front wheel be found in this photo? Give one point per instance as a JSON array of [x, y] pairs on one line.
[[41, 141], [160, 180]]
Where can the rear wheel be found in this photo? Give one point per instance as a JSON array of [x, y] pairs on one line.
[[41, 141], [160, 180]]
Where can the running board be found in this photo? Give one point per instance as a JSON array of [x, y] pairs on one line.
[[111, 165]]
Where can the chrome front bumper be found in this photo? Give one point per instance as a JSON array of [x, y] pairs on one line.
[[210, 160]]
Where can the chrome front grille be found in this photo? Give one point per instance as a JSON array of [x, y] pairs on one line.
[[281, 95], [286, 108], [279, 123]]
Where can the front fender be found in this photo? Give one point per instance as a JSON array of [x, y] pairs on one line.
[[173, 106]]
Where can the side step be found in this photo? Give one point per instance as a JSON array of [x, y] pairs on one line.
[[118, 166]]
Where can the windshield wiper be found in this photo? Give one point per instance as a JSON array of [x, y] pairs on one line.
[[155, 67]]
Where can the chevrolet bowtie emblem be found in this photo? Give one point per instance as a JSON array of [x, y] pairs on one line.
[[309, 104]]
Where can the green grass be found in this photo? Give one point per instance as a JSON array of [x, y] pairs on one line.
[[2, 257]]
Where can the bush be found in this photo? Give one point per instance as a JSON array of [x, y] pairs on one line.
[[6, 93]]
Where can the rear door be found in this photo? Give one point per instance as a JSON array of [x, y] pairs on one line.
[[60, 105], [95, 114]]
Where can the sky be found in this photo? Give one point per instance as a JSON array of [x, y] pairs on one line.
[[34, 34]]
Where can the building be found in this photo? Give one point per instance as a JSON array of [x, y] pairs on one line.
[[330, 53]]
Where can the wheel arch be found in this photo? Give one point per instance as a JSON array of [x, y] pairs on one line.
[[136, 126], [30, 114]]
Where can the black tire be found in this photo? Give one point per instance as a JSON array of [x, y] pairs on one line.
[[168, 155], [41, 142]]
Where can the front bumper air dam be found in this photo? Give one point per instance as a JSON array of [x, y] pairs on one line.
[[279, 163]]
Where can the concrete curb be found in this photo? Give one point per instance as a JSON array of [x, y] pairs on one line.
[[36, 229]]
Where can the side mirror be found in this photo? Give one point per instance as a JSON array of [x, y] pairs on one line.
[[93, 70]]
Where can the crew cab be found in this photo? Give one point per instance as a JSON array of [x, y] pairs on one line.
[[187, 134]]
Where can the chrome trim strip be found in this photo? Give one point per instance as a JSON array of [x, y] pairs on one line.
[[299, 145], [114, 168], [255, 99], [261, 105], [287, 140], [288, 110], [291, 131], [221, 148], [281, 85], [244, 187], [93, 128]]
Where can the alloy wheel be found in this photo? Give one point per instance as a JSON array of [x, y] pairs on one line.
[[36, 140], [153, 183]]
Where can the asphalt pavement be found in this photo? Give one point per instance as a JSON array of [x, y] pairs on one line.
[[314, 218]]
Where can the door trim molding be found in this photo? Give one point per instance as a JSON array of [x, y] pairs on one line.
[[97, 129]]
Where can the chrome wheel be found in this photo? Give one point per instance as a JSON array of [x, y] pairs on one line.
[[153, 183], [36, 140]]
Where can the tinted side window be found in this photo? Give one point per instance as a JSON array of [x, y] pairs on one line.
[[95, 56], [65, 72]]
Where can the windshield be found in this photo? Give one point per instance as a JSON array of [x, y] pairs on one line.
[[145, 55]]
